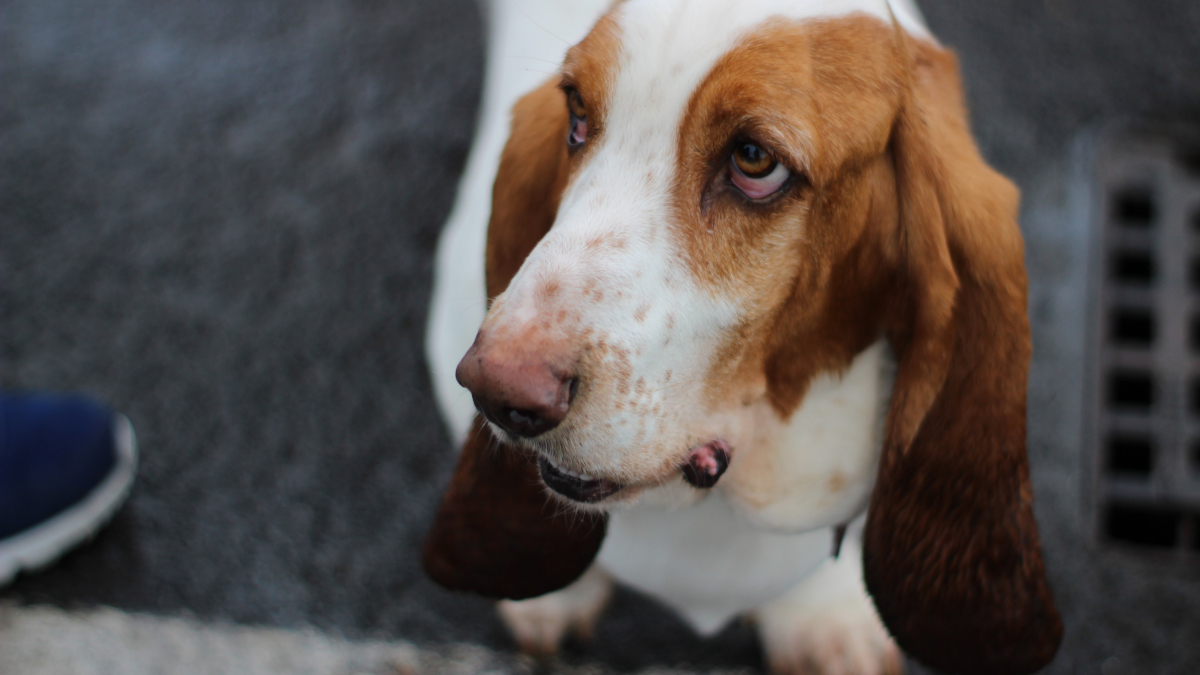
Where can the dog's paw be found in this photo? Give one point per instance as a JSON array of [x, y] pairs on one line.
[[828, 641], [540, 624], [827, 625]]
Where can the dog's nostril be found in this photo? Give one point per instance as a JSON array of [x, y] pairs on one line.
[[519, 421], [544, 409], [522, 418]]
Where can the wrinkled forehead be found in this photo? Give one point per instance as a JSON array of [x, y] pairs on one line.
[[683, 38], [646, 58], [680, 40]]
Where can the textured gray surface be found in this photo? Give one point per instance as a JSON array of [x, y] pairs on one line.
[[219, 215], [44, 640]]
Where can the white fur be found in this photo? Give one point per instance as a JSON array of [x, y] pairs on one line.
[[818, 467], [828, 621], [526, 43], [541, 623], [706, 562], [761, 531]]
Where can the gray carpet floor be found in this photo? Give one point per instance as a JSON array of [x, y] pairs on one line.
[[220, 215]]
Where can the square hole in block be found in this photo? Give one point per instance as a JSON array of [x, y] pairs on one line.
[[1194, 333], [1133, 327], [1133, 455], [1194, 395], [1133, 206], [1189, 160], [1194, 220], [1194, 458], [1131, 389], [1143, 525], [1133, 267]]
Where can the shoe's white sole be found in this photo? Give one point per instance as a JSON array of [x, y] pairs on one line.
[[41, 545]]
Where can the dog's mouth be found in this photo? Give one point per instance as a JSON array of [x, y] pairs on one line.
[[576, 487], [704, 467]]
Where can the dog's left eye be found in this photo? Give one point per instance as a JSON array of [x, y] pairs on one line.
[[755, 171], [577, 134]]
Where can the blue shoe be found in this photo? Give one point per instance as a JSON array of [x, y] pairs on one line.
[[66, 465]]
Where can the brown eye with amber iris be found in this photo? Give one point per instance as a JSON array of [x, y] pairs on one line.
[[578, 126], [752, 160], [755, 172]]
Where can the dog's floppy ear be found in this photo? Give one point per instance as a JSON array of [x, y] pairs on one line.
[[497, 532], [951, 551], [529, 183]]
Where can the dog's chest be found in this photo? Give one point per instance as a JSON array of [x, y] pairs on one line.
[[768, 524], [816, 468], [705, 562]]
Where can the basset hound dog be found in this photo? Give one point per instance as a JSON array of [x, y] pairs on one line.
[[744, 319]]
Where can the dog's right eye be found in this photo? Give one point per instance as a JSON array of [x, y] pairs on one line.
[[755, 171], [577, 134]]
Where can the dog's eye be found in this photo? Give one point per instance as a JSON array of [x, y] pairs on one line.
[[578, 128], [755, 172]]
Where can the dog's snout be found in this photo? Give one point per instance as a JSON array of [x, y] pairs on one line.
[[516, 386]]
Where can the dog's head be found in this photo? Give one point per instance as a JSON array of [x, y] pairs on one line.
[[727, 228], [715, 203]]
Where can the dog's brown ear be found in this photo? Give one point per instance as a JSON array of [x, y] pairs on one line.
[[529, 183], [497, 532], [951, 551]]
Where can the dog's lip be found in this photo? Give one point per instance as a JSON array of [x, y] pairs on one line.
[[584, 489]]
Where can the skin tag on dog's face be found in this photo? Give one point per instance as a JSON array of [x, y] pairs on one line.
[[706, 464]]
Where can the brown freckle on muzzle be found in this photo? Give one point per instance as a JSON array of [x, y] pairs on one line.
[[836, 483], [549, 289]]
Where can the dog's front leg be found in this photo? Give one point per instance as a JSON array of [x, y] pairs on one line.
[[827, 625], [540, 624]]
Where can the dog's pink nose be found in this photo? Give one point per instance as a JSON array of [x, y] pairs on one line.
[[516, 386]]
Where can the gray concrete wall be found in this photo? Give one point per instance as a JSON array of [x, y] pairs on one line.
[[219, 216]]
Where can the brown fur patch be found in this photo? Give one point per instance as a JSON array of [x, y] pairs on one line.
[[951, 550], [529, 184], [814, 262]]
